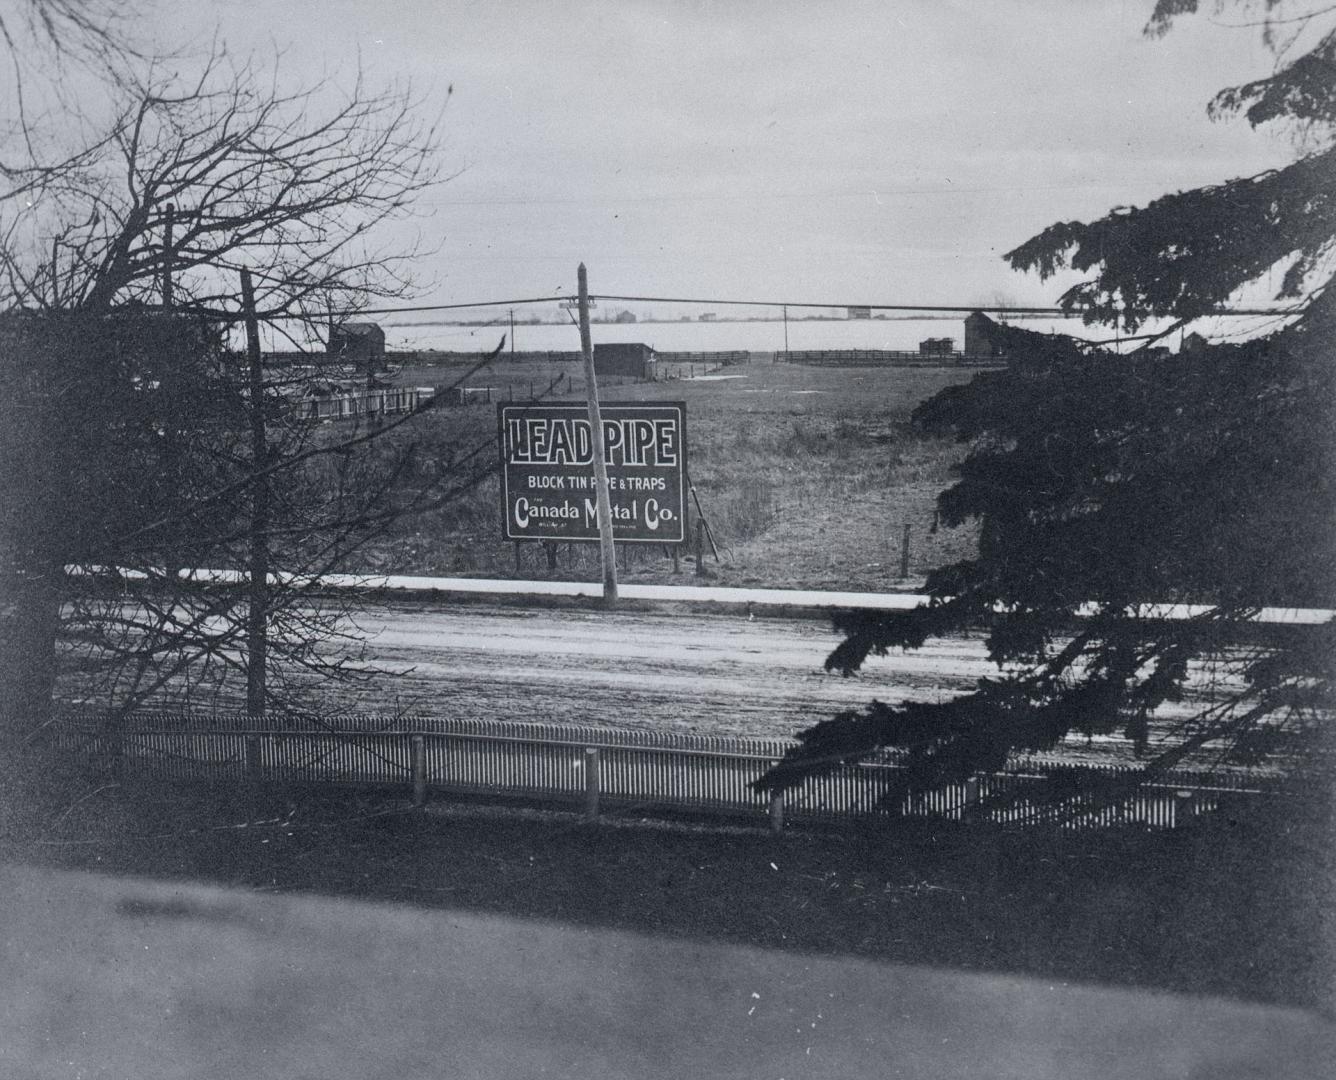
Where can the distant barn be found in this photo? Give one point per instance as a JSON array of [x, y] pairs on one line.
[[359, 343], [1193, 344], [981, 336], [632, 358]]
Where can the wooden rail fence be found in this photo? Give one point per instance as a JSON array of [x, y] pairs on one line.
[[727, 356], [598, 768], [884, 358]]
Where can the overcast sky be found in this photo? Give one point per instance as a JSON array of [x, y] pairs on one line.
[[838, 151]]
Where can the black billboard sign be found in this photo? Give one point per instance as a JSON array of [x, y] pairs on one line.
[[547, 477]]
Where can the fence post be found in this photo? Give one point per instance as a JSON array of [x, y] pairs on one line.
[[418, 759], [777, 812], [591, 769], [113, 742], [904, 553], [700, 547], [971, 794], [253, 758], [252, 782], [1183, 801]]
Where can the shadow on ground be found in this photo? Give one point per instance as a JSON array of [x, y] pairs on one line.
[[1236, 908]]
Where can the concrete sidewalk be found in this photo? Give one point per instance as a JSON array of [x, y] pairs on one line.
[[796, 599], [692, 594], [812, 600], [112, 978]]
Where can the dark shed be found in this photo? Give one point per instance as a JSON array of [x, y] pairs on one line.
[[980, 339], [632, 358], [360, 343], [937, 346]]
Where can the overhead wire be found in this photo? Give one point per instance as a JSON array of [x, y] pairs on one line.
[[999, 309]]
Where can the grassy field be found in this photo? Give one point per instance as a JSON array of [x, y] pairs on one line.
[[806, 475]]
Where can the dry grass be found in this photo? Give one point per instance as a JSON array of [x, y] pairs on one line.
[[808, 477]]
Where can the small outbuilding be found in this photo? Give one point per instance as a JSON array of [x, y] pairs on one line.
[[359, 343], [1194, 343], [633, 358], [981, 336], [937, 346]]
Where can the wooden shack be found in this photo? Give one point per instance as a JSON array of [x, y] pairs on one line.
[[361, 344], [937, 346], [633, 358], [981, 336]]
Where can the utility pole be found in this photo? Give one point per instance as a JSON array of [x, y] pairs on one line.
[[786, 333], [606, 550], [512, 333], [256, 620], [167, 256]]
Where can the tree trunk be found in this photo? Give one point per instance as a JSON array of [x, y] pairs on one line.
[[28, 624], [29, 618]]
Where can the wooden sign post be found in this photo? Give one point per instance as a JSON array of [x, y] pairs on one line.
[[606, 550]]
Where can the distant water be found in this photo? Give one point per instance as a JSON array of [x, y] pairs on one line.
[[899, 334]]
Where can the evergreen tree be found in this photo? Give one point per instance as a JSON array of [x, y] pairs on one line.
[[1107, 482]]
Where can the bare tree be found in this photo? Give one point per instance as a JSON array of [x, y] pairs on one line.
[[49, 49], [120, 270], [240, 173]]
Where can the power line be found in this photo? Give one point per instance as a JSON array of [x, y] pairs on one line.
[[999, 309], [614, 199], [455, 307], [842, 304]]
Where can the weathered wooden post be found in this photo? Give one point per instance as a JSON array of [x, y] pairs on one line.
[[257, 593], [592, 778], [418, 763], [700, 547], [168, 254], [115, 745], [1182, 805], [253, 767], [971, 794], [777, 812], [253, 758], [904, 553], [608, 556]]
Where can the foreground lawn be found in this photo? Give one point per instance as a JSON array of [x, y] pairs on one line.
[[1235, 908]]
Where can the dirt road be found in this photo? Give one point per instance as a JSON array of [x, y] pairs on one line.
[[689, 671], [713, 674]]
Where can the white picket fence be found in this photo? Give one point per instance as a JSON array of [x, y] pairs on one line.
[[605, 769]]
